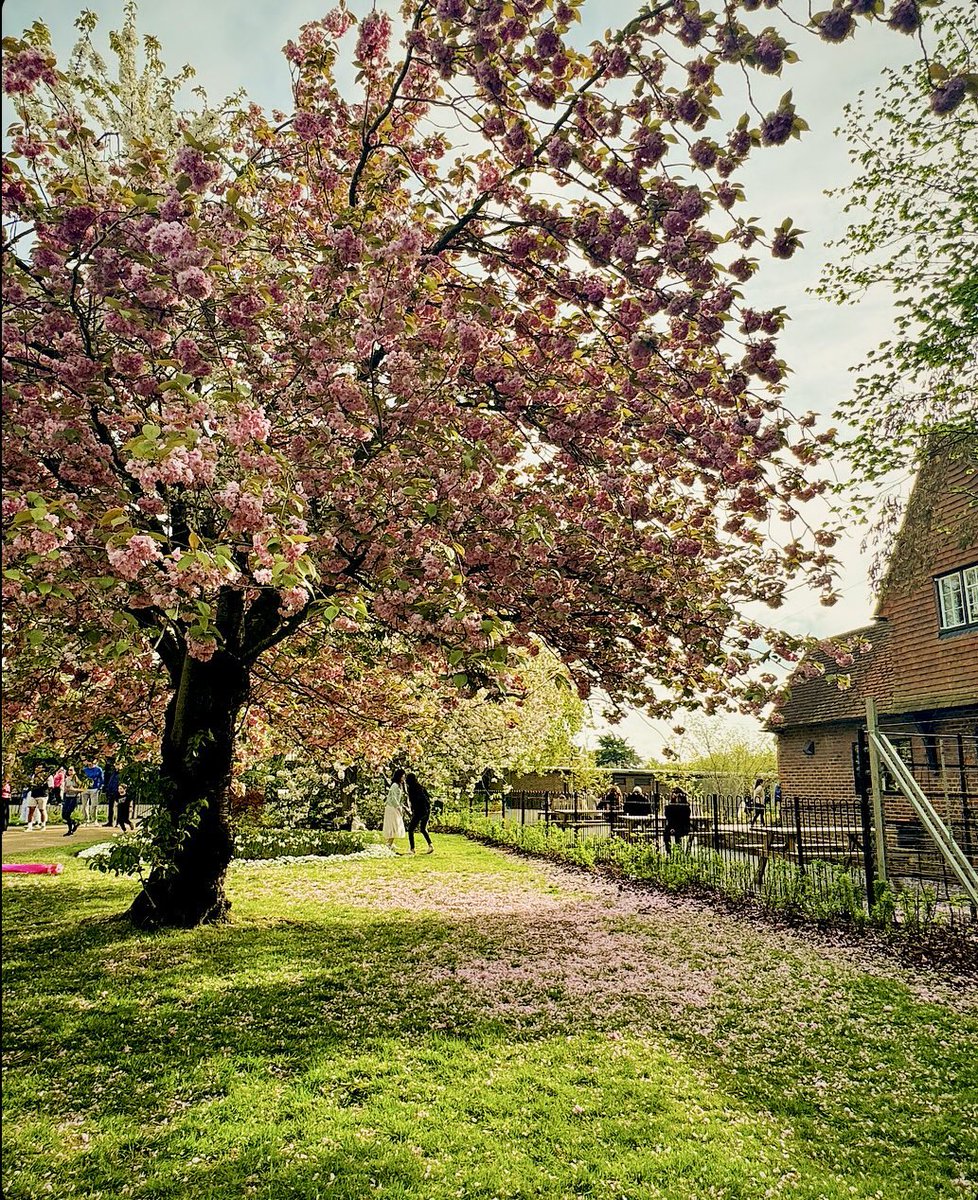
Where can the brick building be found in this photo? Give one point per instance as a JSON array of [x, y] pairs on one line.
[[922, 662]]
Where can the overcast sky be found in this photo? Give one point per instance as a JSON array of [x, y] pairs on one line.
[[232, 44]]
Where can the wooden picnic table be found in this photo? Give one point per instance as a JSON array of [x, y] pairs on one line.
[[579, 818]]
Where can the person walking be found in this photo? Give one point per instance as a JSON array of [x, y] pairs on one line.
[[420, 803], [394, 803], [7, 794], [678, 817], [759, 802], [124, 809], [70, 796], [37, 809], [56, 791]]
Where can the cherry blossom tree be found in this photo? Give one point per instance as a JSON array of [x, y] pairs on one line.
[[57, 695], [462, 358]]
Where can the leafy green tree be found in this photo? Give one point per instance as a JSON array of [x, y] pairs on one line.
[[914, 232], [614, 751], [727, 759]]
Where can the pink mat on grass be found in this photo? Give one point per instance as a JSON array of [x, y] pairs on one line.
[[34, 868]]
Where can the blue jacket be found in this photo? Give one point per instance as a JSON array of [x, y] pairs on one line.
[[94, 776]]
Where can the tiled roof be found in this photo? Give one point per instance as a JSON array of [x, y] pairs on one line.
[[815, 701]]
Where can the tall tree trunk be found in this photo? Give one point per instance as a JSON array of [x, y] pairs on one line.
[[197, 756]]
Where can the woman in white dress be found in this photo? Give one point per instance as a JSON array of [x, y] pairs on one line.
[[394, 809]]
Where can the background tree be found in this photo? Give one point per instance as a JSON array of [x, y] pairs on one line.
[[914, 200], [614, 751], [352, 710], [269, 377], [727, 759]]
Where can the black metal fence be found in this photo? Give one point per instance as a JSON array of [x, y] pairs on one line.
[[819, 839], [945, 768], [827, 846]]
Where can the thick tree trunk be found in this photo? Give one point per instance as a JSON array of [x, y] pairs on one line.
[[197, 755]]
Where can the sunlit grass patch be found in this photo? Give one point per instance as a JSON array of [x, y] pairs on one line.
[[467, 1025]]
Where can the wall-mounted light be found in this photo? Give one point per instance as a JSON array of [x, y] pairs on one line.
[[809, 749]]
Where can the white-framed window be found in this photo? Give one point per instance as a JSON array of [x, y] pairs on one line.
[[957, 599]]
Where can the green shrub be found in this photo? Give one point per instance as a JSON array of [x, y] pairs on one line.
[[825, 891]]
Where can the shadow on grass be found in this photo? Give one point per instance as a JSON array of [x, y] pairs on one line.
[[317, 1056]]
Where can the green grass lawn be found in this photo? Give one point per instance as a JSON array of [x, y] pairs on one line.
[[467, 1025]]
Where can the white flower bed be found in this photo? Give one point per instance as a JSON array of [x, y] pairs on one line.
[[376, 851], [368, 852], [96, 850]]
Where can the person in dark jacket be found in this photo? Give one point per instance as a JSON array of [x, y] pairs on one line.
[[420, 803], [70, 797], [124, 810], [111, 787], [678, 819]]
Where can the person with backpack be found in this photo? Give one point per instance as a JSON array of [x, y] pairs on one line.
[[420, 803], [678, 819]]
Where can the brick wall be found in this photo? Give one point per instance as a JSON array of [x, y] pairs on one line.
[[826, 774], [939, 534], [828, 771]]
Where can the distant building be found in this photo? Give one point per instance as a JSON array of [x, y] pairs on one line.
[[922, 663]]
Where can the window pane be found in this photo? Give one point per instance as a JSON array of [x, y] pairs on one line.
[[971, 592], [951, 592]]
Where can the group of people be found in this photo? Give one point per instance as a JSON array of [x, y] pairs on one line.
[[77, 795], [677, 816], [407, 799], [635, 804]]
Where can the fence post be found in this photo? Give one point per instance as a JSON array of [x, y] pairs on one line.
[[969, 848], [487, 804], [715, 802], [522, 808], [798, 836], [546, 812], [872, 730], [866, 816]]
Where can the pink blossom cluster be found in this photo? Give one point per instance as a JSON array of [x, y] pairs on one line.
[[247, 425], [26, 69], [129, 559], [171, 241], [190, 466], [201, 171], [373, 41]]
